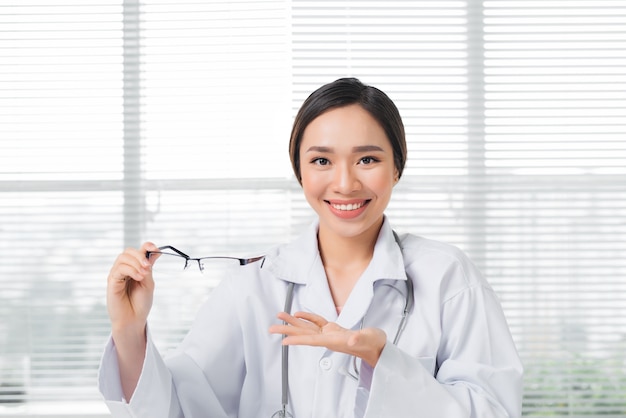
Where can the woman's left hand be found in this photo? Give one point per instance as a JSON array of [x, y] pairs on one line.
[[304, 328]]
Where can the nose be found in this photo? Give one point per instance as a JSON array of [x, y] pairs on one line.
[[346, 179]]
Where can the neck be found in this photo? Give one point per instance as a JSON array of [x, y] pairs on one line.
[[338, 250], [345, 259]]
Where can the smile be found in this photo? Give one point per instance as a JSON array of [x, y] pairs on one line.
[[352, 210], [349, 206]]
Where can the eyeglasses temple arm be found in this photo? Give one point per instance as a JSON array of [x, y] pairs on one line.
[[169, 247], [244, 261]]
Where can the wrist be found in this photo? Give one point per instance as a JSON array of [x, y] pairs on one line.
[[131, 333], [380, 340]]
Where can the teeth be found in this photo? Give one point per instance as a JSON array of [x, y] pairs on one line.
[[351, 206]]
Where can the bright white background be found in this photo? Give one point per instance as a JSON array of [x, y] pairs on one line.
[[169, 121]]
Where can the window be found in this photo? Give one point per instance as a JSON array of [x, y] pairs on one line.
[[122, 121]]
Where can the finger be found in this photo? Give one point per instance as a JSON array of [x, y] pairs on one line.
[[280, 329], [130, 257], [308, 339], [140, 254], [128, 264], [135, 259], [124, 272], [149, 247], [290, 321], [298, 323], [293, 326], [319, 321], [335, 341], [290, 330]]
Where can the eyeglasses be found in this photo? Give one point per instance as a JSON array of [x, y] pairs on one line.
[[171, 260]]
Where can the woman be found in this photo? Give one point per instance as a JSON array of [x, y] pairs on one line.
[[344, 286]]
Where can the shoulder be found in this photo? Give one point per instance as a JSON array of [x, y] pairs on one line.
[[440, 265], [415, 248]]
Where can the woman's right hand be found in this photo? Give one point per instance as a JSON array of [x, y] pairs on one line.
[[130, 290]]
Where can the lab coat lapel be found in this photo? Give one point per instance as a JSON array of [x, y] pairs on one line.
[[316, 296], [299, 262], [387, 263]]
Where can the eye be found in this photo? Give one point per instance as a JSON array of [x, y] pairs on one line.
[[368, 160], [320, 161]]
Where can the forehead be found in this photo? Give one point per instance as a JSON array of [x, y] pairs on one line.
[[350, 126]]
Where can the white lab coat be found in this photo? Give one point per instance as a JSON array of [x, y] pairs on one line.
[[454, 359]]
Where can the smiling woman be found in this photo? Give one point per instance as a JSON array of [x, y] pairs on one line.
[[349, 259], [124, 120]]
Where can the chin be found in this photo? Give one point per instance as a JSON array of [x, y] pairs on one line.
[[350, 228]]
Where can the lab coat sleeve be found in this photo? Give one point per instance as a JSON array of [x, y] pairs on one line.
[[154, 395], [188, 383], [478, 375], [174, 388]]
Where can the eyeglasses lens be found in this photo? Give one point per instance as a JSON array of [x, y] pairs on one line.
[[168, 265], [171, 266], [217, 268]]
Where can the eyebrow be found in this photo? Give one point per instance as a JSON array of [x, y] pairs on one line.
[[361, 148]]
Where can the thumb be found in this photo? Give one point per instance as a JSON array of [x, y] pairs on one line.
[[353, 339], [146, 248]]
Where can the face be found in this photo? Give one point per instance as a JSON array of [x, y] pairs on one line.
[[348, 171]]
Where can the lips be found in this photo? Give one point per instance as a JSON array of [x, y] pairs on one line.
[[349, 206], [348, 210]]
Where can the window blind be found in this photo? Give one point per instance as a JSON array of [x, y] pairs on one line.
[[555, 194], [125, 121], [61, 205]]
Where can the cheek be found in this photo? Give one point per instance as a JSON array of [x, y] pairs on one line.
[[382, 185], [310, 186]]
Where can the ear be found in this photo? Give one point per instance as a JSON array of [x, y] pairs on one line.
[[396, 177]]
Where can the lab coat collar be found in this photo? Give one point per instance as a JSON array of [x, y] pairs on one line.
[[300, 262], [387, 265], [297, 261]]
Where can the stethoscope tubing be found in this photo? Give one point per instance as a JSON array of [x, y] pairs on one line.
[[408, 305], [285, 359]]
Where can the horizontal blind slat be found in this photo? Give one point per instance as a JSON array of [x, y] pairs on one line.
[[516, 155]]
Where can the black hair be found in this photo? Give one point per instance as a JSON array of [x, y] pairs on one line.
[[344, 92]]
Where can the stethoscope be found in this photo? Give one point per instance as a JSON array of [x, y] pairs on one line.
[[408, 305]]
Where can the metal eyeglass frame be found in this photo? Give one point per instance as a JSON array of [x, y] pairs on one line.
[[178, 253]]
